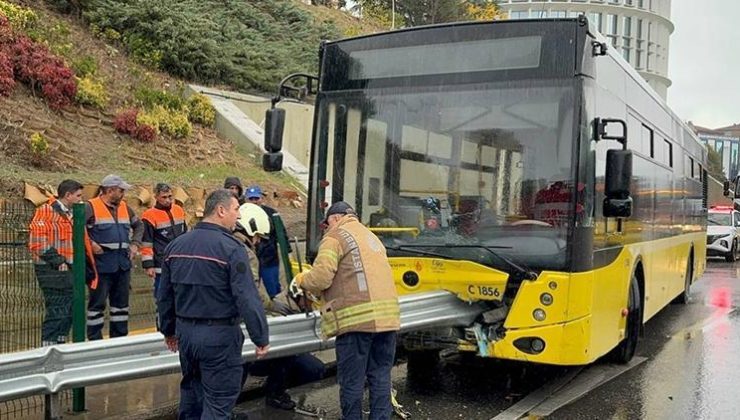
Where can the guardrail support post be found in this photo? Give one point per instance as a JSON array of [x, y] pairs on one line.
[[52, 406], [79, 315]]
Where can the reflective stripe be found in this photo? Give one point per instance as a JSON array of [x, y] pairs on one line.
[[359, 314], [98, 321], [115, 245], [145, 257], [157, 270], [114, 309], [147, 245], [119, 318], [162, 225], [328, 253], [93, 314]]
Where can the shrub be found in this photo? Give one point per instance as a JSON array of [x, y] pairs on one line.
[[201, 111], [172, 122], [125, 121], [38, 144], [150, 98], [7, 81], [36, 66], [85, 66], [145, 133], [91, 92], [20, 18]]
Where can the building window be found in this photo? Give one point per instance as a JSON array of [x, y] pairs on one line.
[[596, 19], [627, 39], [734, 163], [520, 14], [628, 2], [641, 4], [640, 44], [557, 14], [668, 150], [648, 146], [611, 29]]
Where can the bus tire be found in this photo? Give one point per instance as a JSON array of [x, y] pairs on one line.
[[625, 350], [684, 296], [732, 255]]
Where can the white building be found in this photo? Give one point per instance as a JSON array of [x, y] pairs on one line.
[[639, 29]]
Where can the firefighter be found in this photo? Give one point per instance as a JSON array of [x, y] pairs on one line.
[[109, 223], [360, 307], [206, 288], [162, 223], [254, 225], [50, 243]]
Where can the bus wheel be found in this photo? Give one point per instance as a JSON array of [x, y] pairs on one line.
[[625, 350], [684, 296], [732, 255]]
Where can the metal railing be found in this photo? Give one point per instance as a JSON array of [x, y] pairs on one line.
[[50, 370]]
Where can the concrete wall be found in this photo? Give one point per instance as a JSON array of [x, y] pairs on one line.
[[240, 118]]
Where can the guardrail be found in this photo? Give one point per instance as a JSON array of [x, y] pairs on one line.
[[50, 370]]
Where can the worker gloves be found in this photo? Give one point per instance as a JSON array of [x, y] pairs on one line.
[[295, 287]]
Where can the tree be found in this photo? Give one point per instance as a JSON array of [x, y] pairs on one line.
[[427, 12], [714, 165]]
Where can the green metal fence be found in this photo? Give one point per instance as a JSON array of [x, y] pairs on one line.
[[23, 305]]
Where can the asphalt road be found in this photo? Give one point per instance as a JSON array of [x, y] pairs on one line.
[[688, 370]]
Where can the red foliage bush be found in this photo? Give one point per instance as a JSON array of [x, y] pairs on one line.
[[7, 82], [145, 133], [125, 121], [36, 66]]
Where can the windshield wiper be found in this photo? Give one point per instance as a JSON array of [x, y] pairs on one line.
[[409, 249], [714, 222], [523, 272]]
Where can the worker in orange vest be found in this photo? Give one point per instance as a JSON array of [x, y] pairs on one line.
[[51, 247], [110, 222]]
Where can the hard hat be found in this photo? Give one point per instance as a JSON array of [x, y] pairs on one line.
[[254, 220]]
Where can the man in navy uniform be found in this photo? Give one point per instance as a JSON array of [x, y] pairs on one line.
[[206, 287]]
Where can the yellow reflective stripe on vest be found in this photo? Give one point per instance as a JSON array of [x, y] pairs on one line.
[[359, 314], [329, 254]]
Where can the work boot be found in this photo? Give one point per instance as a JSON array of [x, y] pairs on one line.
[[281, 401]]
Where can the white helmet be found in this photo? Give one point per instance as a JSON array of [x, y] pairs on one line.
[[254, 220]]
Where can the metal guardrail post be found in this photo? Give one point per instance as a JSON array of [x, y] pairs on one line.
[[79, 315]]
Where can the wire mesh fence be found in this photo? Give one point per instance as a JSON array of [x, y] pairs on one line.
[[36, 300]]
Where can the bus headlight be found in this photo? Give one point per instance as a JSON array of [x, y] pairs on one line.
[[539, 314], [546, 299]]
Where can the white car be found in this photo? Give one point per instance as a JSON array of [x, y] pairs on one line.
[[723, 233]]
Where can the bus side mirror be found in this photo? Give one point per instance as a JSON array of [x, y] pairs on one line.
[[726, 188], [736, 184], [617, 200], [272, 161]]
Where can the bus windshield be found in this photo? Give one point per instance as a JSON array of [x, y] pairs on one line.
[[480, 172]]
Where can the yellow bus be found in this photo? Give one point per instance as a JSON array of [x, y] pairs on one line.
[[523, 164]]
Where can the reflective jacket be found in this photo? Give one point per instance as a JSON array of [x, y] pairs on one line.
[[112, 232], [161, 226], [352, 274], [50, 240]]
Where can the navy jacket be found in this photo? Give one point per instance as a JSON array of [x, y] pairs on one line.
[[206, 275]]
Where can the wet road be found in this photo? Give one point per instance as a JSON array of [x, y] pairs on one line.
[[691, 371]]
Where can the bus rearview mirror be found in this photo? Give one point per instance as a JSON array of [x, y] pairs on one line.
[[726, 188], [617, 201], [274, 124], [272, 162]]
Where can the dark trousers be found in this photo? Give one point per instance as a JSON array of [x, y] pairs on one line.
[[271, 279], [285, 371], [365, 357], [114, 288], [211, 364], [56, 286]]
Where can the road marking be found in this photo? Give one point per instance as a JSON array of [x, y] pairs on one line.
[[563, 391], [535, 398]]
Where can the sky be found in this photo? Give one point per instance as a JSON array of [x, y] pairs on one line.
[[704, 62]]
